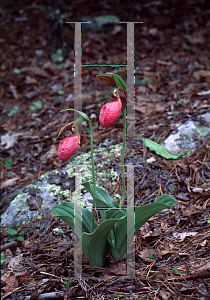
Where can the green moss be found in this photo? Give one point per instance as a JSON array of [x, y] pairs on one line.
[[202, 130]]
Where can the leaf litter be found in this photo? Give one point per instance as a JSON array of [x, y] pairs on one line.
[[172, 86]]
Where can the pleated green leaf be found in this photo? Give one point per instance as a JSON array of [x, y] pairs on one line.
[[65, 211], [94, 245], [118, 237], [103, 199]]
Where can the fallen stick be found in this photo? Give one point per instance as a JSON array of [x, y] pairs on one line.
[[12, 244], [201, 272]]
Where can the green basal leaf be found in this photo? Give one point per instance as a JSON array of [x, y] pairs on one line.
[[65, 211], [94, 245], [102, 198], [119, 80], [113, 238], [142, 215], [20, 238], [160, 150]]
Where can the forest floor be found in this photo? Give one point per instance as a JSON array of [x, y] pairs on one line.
[[172, 73]]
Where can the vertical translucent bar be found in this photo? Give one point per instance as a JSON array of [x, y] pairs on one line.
[[130, 80], [77, 69], [130, 223], [77, 106], [77, 224], [130, 168]]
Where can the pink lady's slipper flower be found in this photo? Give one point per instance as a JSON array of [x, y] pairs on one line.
[[67, 147], [110, 112]]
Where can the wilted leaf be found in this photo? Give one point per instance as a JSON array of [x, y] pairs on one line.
[[9, 182], [13, 91], [51, 153], [201, 73], [9, 140], [182, 235]]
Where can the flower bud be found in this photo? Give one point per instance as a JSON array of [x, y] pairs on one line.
[[67, 147], [110, 112]]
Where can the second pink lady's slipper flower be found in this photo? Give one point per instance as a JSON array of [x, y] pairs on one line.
[[67, 147], [110, 112]]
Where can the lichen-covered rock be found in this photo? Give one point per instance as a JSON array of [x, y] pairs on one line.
[[54, 187], [185, 137]]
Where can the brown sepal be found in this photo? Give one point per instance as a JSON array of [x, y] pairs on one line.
[[75, 129], [107, 79], [66, 127]]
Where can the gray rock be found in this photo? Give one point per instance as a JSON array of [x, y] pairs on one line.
[[54, 187], [206, 116], [185, 138], [101, 24]]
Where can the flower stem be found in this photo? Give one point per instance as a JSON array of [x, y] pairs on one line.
[[122, 159], [93, 174]]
